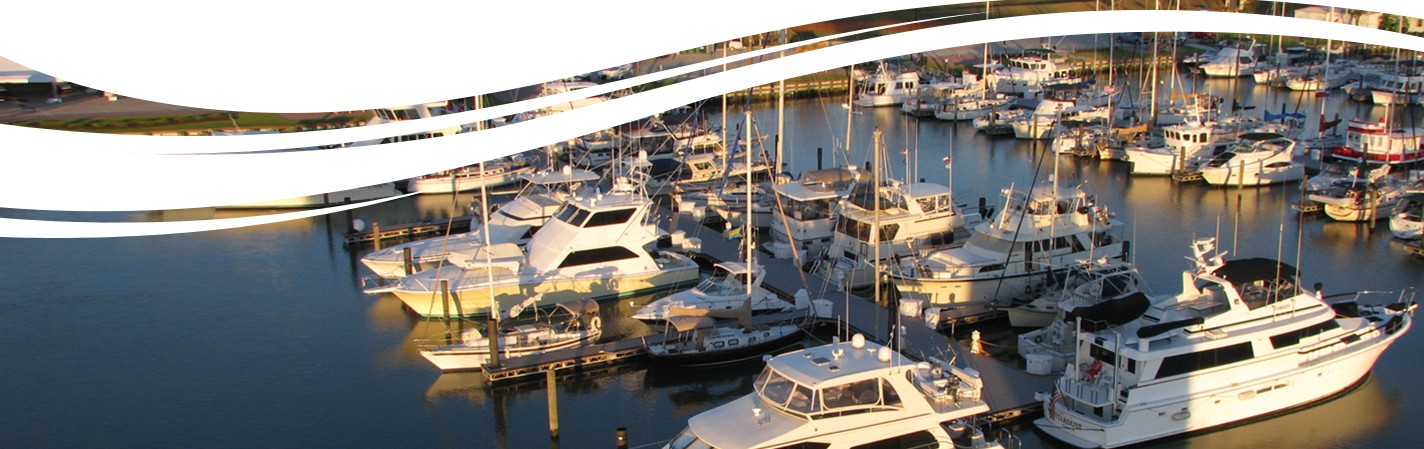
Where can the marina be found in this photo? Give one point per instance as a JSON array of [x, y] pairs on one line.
[[582, 310]]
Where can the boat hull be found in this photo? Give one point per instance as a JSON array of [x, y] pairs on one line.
[[1260, 177], [1407, 228], [1231, 403], [774, 340], [465, 358], [475, 301]]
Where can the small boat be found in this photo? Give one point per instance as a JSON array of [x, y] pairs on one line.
[[1087, 283], [1242, 340], [579, 324], [1407, 221], [700, 341], [1361, 199], [731, 285], [847, 395]]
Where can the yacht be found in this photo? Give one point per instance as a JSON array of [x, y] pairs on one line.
[[570, 325], [1030, 70], [847, 395], [915, 219], [970, 108], [514, 222], [1183, 147], [806, 213], [886, 88], [1230, 63], [1257, 159], [1039, 234], [1241, 341], [731, 285], [598, 246], [1400, 86], [495, 173]]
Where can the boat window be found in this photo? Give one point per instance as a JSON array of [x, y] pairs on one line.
[[803, 400], [612, 217], [892, 398], [1104, 355], [1293, 337], [1200, 360], [921, 438], [597, 255], [865, 392], [992, 268], [566, 213]]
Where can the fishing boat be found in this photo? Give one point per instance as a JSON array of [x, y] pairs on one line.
[[847, 395], [888, 88], [1185, 146], [1242, 340], [1039, 234], [514, 222], [806, 213], [1257, 159], [599, 246], [570, 325]]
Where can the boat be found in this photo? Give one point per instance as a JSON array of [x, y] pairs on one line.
[[1359, 199], [1039, 234], [1243, 340], [847, 395], [1087, 283], [600, 246], [1400, 86], [514, 222], [888, 88], [1030, 70], [805, 217], [915, 219], [1231, 62], [1257, 159], [495, 173], [1407, 221], [730, 286], [1184, 146], [1378, 143], [700, 341], [578, 325]]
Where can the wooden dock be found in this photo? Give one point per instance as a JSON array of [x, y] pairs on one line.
[[579, 358], [380, 233]]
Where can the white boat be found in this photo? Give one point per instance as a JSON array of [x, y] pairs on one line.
[[887, 88], [580, 326], [1230, 63], [1407, 221], [700, 341], [1031, 70], [1401, 85], [1087, 283], [1257, 159], [846, 395], [806, 213], [1361, 199], [970, 108], [1184, 147], [1040, 124], [915, 219], [1242, 340], [730, 204], [514, 222], [730, 286], [1039, 233], [471, 177], [597, 247], [1183, 108]]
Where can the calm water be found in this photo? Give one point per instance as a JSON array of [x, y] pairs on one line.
[[260, 337]]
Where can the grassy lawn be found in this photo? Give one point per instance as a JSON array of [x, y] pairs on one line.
[[246, 120]]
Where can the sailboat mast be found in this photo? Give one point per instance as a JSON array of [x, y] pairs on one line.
[[984, 71], [875, 229], [780, 119], [1324, 85], [1152, 110], [747, 219]]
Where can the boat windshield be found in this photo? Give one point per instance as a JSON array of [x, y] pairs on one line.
[[688, 440], [861, 396], [724, 283]]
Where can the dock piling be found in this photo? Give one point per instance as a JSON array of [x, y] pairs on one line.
[[376, 235], [621, 436], [409, 267], [553, 405]]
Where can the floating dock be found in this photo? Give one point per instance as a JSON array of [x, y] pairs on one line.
[[380, 233]]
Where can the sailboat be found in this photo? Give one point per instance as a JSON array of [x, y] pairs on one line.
[[569, 325]]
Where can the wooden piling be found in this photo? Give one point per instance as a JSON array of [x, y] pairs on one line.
[[621, 436], [409, 265], [376, 233], [553, 404]]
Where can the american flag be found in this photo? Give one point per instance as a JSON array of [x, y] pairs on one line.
[[1053, 402], [947, 162]]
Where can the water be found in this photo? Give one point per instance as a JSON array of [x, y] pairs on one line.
[[260, 337]]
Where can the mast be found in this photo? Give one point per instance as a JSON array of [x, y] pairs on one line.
[[1152, 110], [984, 70], [747, 219], [1324, 85], [493, 329], [875, 229], [780, 120]]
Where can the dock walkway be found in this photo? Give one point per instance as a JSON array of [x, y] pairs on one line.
[[1008, 390]]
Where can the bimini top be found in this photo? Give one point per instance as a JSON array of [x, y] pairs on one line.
[[1245, 271]]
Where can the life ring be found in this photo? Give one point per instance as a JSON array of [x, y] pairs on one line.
[[1038, 339], [595, 323]]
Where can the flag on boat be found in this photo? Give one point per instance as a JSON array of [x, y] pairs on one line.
[[735, 233], [947, 162], [1321, 94]]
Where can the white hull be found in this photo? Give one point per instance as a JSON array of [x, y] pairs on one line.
[[427, 300], [1356, 212], [1148, 162], [463, 358], [1030, 318], [456, 183], [425, 255], [1254, 176], [1237, 400], [329, 199], [1406, 226], [974, 294]]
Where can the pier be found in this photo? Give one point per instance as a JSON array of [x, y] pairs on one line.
[[1009, 391], [379, 233]]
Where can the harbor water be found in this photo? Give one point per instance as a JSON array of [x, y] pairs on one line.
[[261, 336]]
